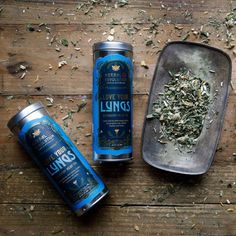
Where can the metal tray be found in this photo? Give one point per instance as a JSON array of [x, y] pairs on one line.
[[202, 60]]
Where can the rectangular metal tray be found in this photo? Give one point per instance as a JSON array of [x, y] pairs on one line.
[[201, 60]]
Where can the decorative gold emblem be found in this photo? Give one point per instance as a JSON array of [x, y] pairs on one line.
[[115, 67], [36, 133]]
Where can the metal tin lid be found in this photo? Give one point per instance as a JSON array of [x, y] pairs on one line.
[[23, 113], [112, 45]]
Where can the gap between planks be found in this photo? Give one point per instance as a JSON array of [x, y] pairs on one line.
[[232, 204]]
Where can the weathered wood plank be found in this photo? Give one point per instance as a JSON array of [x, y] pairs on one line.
[[210, 220], [39, 79], [56, 81], [138, 181], [151, 195], [44, 11], [20, 47], [62, 105], [128, 185], [148, 182]]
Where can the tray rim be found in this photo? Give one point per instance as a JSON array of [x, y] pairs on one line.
[[173, 170]]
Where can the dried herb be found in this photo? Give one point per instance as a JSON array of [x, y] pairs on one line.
[[230, 19], [121, 3], [10, 97], [178, 27], [131, 29], [204, 35], [186, 36], [62, 63], [229, 22], [57, 231], [154, 24], [65, 42], [115, 21], [144, 64], [81, 106], [136, 227], [74, 43], [149, 42], [181, 108], [87, 7], [30, 28], [214, 22]]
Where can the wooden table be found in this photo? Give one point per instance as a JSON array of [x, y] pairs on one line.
[[142, 200]]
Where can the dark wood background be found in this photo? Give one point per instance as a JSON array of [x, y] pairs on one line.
[[142, 200]]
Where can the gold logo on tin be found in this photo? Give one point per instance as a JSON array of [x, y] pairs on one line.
[[36, 133], [115, 68]]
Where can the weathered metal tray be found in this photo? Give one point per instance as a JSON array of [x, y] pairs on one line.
[[202, 60]]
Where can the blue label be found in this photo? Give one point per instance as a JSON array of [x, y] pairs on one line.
[[112, 105], [65, 166]]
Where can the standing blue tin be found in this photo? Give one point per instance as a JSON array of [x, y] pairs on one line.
[[58, 158], [112, 101]]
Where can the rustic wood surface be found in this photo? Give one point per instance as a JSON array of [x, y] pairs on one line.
[[142, 200]]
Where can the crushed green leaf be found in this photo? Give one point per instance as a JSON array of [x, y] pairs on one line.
[[181, 108], [121, 3], [230, 19], [65, 42], [30, 28]]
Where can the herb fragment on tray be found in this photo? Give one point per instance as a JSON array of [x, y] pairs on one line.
[[181, 108]]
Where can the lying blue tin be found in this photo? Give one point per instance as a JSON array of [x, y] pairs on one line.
[[58, 158]]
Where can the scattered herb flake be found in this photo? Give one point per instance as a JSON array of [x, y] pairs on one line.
[[10, 97], [30, 28], [230, 19], [143, 64], [61, 63], [65, 42], [178, 27], [57, 231], [149, 42], [23, 75], [81, 106], [230, 210], [186, 36], [136, 227], [121, 3]]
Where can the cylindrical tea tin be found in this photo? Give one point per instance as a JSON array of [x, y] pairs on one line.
[[112, 101], [58, 157]]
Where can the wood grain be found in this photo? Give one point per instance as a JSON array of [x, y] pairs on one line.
[[207, 220], [36, 12], [142, 200], [15, 39], [82, 120], [150, 187]]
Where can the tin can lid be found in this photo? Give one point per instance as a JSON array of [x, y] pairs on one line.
[[112, 45], [23, 113]]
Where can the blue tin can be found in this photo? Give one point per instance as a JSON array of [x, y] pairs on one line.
[[112, 101], [58, 158]]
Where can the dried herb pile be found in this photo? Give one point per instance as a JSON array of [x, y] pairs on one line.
[[181, 108]]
